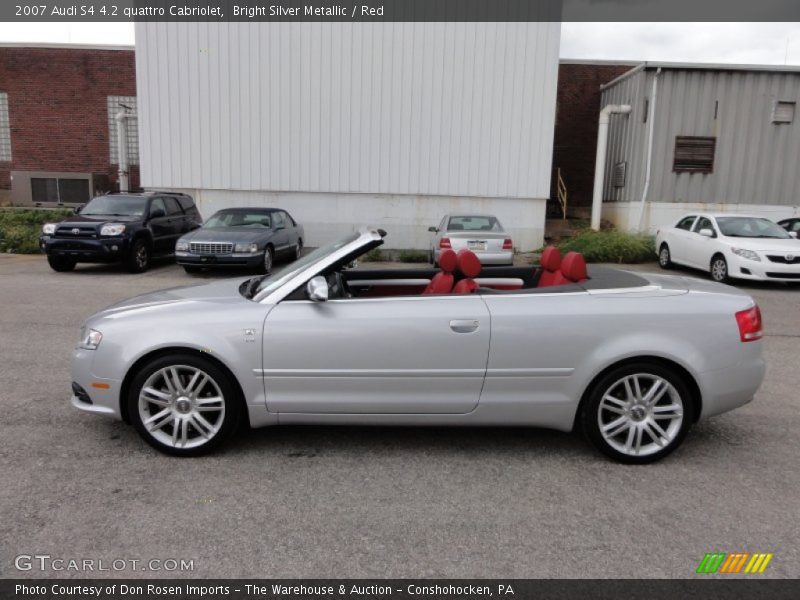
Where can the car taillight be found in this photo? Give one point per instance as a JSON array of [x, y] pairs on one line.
[[508, 244], [445, 243], [750, 326]]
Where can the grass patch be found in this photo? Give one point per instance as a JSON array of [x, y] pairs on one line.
[[611, 247], [20, 228], [374, 255], [413, 256]]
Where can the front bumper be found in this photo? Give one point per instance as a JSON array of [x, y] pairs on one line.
[[99, 395], [85, 250], [220, 260], [763, 270], [505, 257]]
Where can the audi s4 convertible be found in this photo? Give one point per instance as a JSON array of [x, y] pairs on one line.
[[631, 360]]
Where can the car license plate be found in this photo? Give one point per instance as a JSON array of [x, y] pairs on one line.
[[476, 245]]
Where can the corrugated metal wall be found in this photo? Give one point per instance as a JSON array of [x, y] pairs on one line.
[[461, 109], [756, 160]]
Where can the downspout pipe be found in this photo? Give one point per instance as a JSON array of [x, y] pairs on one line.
[[600, 160], [122, 149], [652, 120]]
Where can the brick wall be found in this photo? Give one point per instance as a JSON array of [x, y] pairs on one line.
[[57, 108], [575, 142]]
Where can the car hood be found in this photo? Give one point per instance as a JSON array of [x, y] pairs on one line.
[[95, 220], [766, 244], [176, 299], [226, 234]]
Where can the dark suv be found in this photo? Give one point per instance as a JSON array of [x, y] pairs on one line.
[[125, 227]]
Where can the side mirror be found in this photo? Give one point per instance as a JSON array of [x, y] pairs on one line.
[[77, 210], [706, 233], [157, 213], [353, 264], [793, 234], [433, 229], [317, 289]]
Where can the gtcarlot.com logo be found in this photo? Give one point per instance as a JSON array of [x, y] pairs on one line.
[[734, 562], [46, 562]]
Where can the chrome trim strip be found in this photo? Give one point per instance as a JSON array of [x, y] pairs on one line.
[[545, 372], [297, 373], [389, 282]]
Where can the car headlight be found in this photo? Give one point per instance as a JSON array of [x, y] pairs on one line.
[[90, 339], [49, 228], [744, 253], [182, 246], [112, 229], [251, 248]]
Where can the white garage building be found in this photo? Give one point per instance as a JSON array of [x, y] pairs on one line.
[[386, 124]]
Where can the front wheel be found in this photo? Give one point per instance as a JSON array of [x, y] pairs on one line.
[[638, 413], [719, 269], [139, 258], [266, 261], [664, 257], [60, 264], [298, 248], [183, 405]]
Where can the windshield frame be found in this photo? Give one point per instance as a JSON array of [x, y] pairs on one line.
[[720, 221], [294, 275], [111, 197]]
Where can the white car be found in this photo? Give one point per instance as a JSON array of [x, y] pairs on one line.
[[731, 246]]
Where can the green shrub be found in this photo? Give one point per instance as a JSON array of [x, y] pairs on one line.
[[374, 255], [611, 247], [413, 256], [20, 228]]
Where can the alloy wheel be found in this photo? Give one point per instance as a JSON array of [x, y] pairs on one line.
[[719, 269], [267, 260], [141, 257], [640, 414], [181, 406], [663, 257]]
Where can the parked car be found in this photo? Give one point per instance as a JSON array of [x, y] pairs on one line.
[[791, 225], [241, 237], [318, 342], [483, 234], [127, 227], [731, 246]]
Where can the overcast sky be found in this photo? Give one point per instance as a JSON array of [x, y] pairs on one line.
[[767, 43]]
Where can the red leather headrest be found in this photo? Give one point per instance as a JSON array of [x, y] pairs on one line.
[[551, 259], [468, 263], [448, 260], [573, 267]]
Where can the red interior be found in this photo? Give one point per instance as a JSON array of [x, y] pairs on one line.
[[551, 263], [442, 283]]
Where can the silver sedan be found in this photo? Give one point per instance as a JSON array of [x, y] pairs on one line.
[[631, 360], [482, 234]]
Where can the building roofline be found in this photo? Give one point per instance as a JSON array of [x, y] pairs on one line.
[[689, 66], [46, 45], [593, 61]]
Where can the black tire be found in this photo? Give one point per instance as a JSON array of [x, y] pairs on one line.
[[718, 269], [267, 260], [592, 411], [298, 249], [664, 257], [138, 260], [61, 264], [230, 419], [191, 269]]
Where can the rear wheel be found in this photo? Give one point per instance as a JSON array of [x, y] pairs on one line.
[[664, 257], [139, 258], [719, 269], [638, 413], [60, 264], [183, 405]]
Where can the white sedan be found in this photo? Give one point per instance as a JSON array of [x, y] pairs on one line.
[[731, 246]]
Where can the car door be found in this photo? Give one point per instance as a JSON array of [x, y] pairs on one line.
[[176, 219], [161, 226], [415, 355], [291, 229], [280, 238], [700, 247], [678, 239]]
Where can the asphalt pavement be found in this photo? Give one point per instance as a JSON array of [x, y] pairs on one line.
[[373, 502]]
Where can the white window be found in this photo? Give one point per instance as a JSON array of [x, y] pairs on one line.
[[128, 104], [783, 112], [5, 129]]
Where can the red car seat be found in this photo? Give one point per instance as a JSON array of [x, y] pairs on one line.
[[573, 269], [470, 266], [551, 262], [442, 282]]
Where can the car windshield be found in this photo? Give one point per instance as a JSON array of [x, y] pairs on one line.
[[751, 227], [474, 223], [255, 220], [269, 283], [116, 206]]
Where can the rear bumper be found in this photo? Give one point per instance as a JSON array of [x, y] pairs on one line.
[[226, 260], [85, 250], [726, 389], [763, 270], [489, 258]]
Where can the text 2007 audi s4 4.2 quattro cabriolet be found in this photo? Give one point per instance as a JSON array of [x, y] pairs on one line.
[[631, 360]]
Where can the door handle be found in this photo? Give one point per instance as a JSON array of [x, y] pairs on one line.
[[464, 325]]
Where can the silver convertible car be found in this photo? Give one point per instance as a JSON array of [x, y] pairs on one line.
[[631, 360]]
